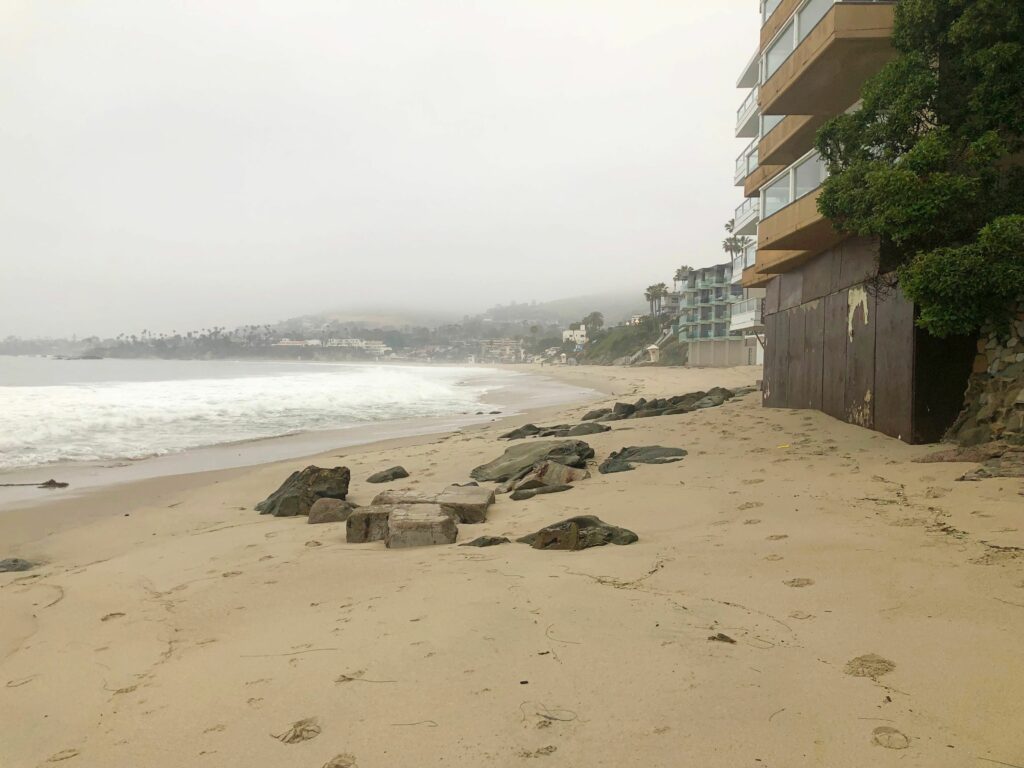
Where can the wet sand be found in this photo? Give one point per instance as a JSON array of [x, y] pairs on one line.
[[876, 607]]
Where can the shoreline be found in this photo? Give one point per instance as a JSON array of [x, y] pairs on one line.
[[172, 623]]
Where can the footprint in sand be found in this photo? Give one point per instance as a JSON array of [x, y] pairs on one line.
[[773, 558], [751, 521], [64, 754], [777, 536], [869, 665], [801, 582], [115, 615], [301, 730], [753, 481], [890, 738], [749, 505], [802, 615], [341, 761]]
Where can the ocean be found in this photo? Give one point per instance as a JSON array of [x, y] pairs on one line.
[[107, 410]]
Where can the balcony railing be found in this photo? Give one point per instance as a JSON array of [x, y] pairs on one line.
[[746, 216], [746, 163], [801, 178], [745, 314], [746, 126]]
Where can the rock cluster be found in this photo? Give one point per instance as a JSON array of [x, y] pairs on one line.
[[579, 533], [300, 491], [520, 459]]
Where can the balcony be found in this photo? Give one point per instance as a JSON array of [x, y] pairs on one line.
[[746, 163], [745, 314], [743, 261], [791, 139], [818, 61], [745, 218], [792, 221], [751, 72], [746, 116]]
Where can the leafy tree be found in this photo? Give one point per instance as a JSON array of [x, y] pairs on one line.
[[594, 321], [933, 162]]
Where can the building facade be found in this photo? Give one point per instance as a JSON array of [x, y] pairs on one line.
[[705, 304], [836, 339]]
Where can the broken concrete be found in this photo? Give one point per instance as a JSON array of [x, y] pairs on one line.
[[419, 525]]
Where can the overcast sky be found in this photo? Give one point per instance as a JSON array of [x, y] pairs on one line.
[[172, 165]]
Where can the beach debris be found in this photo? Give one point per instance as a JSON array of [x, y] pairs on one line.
[[367, 524], [395, 496], [870, 665], [888, 737], [577, 533], [520, 459], [387, 475], [341, 761], [528, 493], [623, 460], [721, 637], [800, 582], [486, 541], [330, 511], [419, 525], [15, 564], [301, 730], [466, 503], [299, 492]]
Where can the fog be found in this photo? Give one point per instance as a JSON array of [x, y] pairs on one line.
[[172, 165]]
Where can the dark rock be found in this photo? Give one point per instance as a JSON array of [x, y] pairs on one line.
[[709, 401], [387, 475], [590, 428], [558, 430], [53, 484], [622, 461], [486, 541], [13, 564], [596, 414], [624, 409], [330, 511], [579, 533], [522, 494], [688, 399], [725, 394], [646, 413], [527, 430], [677, 410], [297, 494], [519, 459], [550, 473]]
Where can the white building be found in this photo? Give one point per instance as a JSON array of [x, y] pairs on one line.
[[576, 336]]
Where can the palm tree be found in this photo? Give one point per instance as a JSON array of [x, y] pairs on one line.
[[594, 321], [651, 294], [681, 274], [734, 245], [660, 292]]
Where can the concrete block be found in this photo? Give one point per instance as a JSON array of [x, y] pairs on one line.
[[467, 503], [419, 525], [368, 524]]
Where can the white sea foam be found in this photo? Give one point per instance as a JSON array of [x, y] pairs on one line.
[[103, 420]]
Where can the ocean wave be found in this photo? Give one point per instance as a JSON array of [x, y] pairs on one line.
[[101, 421]]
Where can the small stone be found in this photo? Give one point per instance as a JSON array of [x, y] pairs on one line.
[[387, 475], [529, 493], [486, 541]]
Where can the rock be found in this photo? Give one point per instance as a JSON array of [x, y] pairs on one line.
[[528, 493], [387, 475], [709, 401], [647, 413], [466, 503], [550, 473], [590, 428], [527, 430], [14, 564], [722, 392], [486, 541], [622, 461], [596, 414], [403, 497], [518, 459], [419, 525], [51, 483], [330, 511], [368, 524], [579, 533], [688, 399], [623, 409], [297, 494]]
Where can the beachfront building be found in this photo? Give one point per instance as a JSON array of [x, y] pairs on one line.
[[577, 335], [703, 307], [501, 350], [831, 342]]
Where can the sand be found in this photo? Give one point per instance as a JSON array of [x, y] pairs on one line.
[[865, 610]]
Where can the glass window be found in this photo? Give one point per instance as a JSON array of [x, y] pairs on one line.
[[779, 51], [776, 195], [770, 121], [769, 7], [810, 174], [811, 14]]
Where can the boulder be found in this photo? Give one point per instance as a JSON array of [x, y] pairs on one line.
[[518, 459], [486, 541], [550, 473], [419, 525], [648, 412], [579, 533], [330, 511], [403, 497], [523, 494], [466, 503], [368, 524], [387, 475], [590, 428], [623, 409], [527, 430], [596, 414], [623, 461], [298, 493], [13, 564]]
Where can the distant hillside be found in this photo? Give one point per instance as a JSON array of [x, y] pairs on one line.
[[616, 307]]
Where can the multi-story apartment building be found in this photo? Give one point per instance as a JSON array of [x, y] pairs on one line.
[[704, 305], [833, 343]]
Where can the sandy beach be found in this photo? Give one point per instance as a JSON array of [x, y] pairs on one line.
[[876, 607]]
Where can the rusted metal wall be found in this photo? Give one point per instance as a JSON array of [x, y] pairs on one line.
[[833, 345]]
